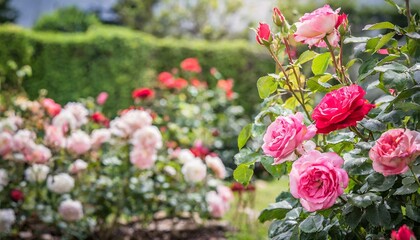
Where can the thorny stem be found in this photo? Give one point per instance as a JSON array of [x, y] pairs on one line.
[[288, 82], [415, 177], [358, 133], [341, 63], [337, 69]]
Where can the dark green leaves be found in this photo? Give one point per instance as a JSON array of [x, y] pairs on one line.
[[312, 224], [276, 210]]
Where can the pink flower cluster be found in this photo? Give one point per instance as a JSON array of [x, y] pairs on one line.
[[218, 201]]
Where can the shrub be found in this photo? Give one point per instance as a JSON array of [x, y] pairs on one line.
[[69, 19]]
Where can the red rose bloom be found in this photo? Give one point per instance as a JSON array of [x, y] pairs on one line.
[[16, 195], [143, 93], [191, 65], [98, 117], [341, 108], [165, 77], [227, 86], [404, 233]]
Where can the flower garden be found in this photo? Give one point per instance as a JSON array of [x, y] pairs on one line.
[[337, 122]]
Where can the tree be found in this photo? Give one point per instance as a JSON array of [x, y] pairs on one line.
[[135, 13], [7, 13]]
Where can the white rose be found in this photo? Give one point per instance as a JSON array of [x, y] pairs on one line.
[[185, 155], [100, 136], [4, 178], [71, 210], [78, 166], [60, 183], [194, 171], [216, 165], [79, 142], [65, 121], [79, 112], [37, 173], [7, 218]]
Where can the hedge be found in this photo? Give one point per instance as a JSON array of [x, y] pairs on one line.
[[117, 60]]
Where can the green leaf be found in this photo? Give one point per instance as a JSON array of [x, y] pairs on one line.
[[244, 135], [402, 96], [354, 217], [243, 174], [351, 62], [366, 69], [357, 165], [413, 47], [246, 156], [318, 84], [381, 25], [379, 183], [407, 106], [276, 210], [275, 170], [406, 189], [373, 125], [364, 200], [266, 86], [312, 224], [413, 212], [394, 66], [320, 63], [306, 56], [355, 40], [378, 215], [384, 40]]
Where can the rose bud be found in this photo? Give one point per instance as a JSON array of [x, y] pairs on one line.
[[263, 36]]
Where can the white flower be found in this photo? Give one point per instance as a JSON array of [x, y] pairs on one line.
[[194, 171], [4, 178], [216, 165], [65, 121], [37, 173], [10, 124], [79, 142], [128, 123], [143, 158], [99, 137], [148, 137], [185, 155], [60, 183], [170, 170], [22, 139], [71, 210], [79, 112], [7, 218], [78, 166]]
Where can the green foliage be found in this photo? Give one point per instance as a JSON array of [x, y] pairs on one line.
[[7, 13], [135, 13], [69, 19], [117, 60]]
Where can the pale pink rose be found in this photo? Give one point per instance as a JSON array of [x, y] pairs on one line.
[[143, 158], [6, 143], [101, 98], [79, 112], [216, 205], [54, 137], [317, 179], [216, 165], [37, 173], [225, 193], [23, 139], [148, 137], [131, 121], [78, 166], [10, 124], [314, 26], [183, 155], [65, 121], [99, 137], [78, 142], [70, 210], [60, 183], [194, 171], [53, 108], [284, 135], [35, 153], [394, 151]]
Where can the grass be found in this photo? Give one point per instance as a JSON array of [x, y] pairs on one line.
[[245, 219]]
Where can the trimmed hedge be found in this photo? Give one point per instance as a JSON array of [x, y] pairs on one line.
[[117, 60]]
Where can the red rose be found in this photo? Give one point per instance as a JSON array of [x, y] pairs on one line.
[[263, 34], [16, 195], [191, 65], [404, 233], [165, 77], [98, 117], [341, 108], [178, 83], [227, 86], [143, 93], [198, 84], [51, 106]]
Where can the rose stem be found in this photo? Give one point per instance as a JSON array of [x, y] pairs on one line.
[[415, 177], [337, 69]]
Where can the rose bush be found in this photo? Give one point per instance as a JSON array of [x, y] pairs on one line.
[[352, 140]]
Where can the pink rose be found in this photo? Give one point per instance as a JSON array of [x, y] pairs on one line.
[[54, 137], [263, 34], [341, 108], [52, 107], [37, 154], [143, 158], [404, 233], [216, 165], [79, 142], [314, 26], [78, 166], [318, 180], [5, 143], [99, 137], [225, 193], [148, 137], [101, 98], [216, 205], [394, 151], [284, 135]]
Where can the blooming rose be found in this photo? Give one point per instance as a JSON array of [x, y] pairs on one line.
[[143, 93], [225, 192], [79, 142], [6, 143], [16, 195], [23, 139], [165, 77], [148, 137], [4, 179], [404, 233], [184, 155], [54, 137], [35, 153], [191, 65], [216, 205], [37, 173], [284, 135], [60, 183], [314, 26], [10, 124], [143, 158], [394, 151], [71, 210], [7, 218], [129, 122], [101, 98], [79, 111], [100, 118], [341, 108], [65, 121], [217, 166], [318, 180], [194, 171], [227, 86], [52, 107], [178, 83], [99, 137], [78, 166], [263, 34]]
